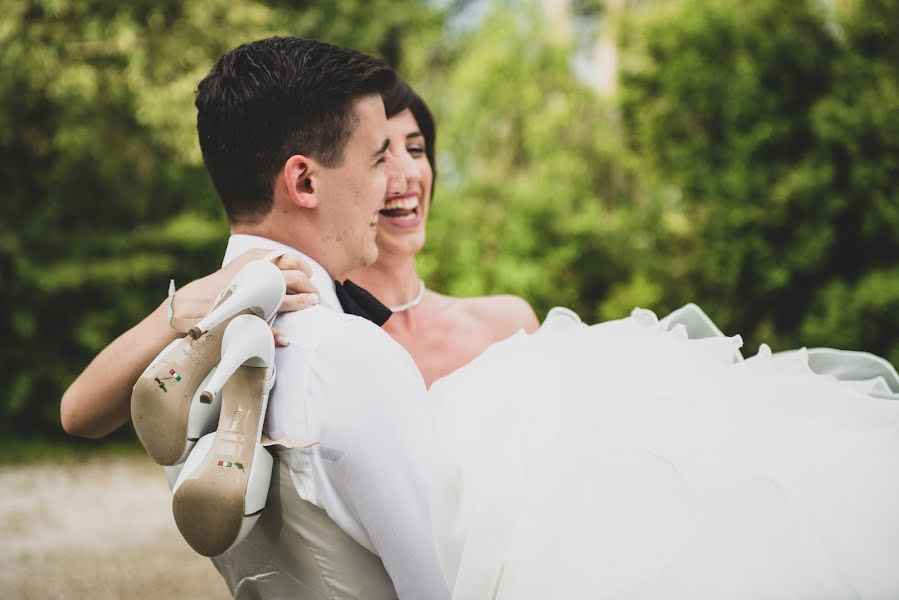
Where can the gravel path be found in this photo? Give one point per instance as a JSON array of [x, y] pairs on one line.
[[96, 529]]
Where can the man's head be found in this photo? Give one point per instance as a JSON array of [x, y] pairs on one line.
[[293, 135]]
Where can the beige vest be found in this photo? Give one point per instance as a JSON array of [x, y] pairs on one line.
[[296, 551]]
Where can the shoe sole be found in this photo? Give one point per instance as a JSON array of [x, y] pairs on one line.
[[209, 506], [160, 401]]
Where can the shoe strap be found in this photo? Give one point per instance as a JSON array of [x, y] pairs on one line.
[[270, 382], [286, 442], [274, 255], [183, 325]]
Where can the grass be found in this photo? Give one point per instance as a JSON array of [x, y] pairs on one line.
[[37, 450]]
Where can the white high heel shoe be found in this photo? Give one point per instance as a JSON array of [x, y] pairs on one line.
[[167, 409], [222, 488]]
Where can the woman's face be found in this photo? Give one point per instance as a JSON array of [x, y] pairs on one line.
[[401, 225]]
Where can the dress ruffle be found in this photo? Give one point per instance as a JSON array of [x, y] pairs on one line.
[[645, 458]]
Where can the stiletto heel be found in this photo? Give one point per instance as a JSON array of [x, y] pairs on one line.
[[250, 349], [222, 488], [168, 409], [258, 287]]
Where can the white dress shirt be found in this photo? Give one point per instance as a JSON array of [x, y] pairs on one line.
[[344, 383]]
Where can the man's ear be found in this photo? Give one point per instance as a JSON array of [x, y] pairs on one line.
[[300, 176]]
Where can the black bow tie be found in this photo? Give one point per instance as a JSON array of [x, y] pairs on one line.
[[358, 301]]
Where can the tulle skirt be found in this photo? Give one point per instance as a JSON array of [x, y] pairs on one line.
[[646, 459]]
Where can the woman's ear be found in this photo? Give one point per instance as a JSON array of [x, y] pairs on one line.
[[300, 175]]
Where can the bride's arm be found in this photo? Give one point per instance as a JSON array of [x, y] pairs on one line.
[[99, 401]]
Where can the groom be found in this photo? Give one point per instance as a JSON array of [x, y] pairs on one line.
[[294, 137]]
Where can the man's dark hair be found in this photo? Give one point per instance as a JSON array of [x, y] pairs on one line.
[[400, 97], [268, 100]]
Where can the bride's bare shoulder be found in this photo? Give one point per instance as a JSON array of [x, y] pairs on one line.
[[505, 314]]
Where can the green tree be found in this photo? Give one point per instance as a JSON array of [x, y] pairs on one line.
[[772, 121], [105, 196], [858, 306], [749, 163], [536, 197]]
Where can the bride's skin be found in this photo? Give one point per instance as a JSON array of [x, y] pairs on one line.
[[442, 333]]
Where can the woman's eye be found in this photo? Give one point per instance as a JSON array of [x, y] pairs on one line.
[[416, 151]]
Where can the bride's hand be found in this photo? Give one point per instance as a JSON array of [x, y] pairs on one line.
[[195, 299]]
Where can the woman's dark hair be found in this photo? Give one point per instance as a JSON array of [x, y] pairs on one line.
[[400, 97], [267, 100]]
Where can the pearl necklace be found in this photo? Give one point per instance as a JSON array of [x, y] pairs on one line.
[[413, 302]]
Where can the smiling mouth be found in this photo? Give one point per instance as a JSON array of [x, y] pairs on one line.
[[401, 209]]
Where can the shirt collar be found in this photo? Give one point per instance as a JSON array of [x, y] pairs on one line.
[[241, 242]]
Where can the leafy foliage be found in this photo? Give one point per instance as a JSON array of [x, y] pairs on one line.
[[775, 122], [105, 196], [749, 162], [537, 199]]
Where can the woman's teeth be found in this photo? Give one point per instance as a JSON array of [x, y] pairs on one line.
[[402, 209], [408, 203]]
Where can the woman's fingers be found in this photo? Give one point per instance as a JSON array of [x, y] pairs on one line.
[[293, 262], [281, 338], [293, 302], [300, 292], [298, 283]]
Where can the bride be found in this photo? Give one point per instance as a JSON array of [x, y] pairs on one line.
[[645, 458], [639, 458]]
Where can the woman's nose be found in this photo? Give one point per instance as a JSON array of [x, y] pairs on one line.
[[409, 166], [396, 177]]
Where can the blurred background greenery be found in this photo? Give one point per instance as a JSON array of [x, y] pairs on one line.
[[598, 154]]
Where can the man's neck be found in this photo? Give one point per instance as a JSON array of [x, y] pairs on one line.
[[294, 240]]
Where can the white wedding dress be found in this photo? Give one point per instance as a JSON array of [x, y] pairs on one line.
[[642, 459]]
